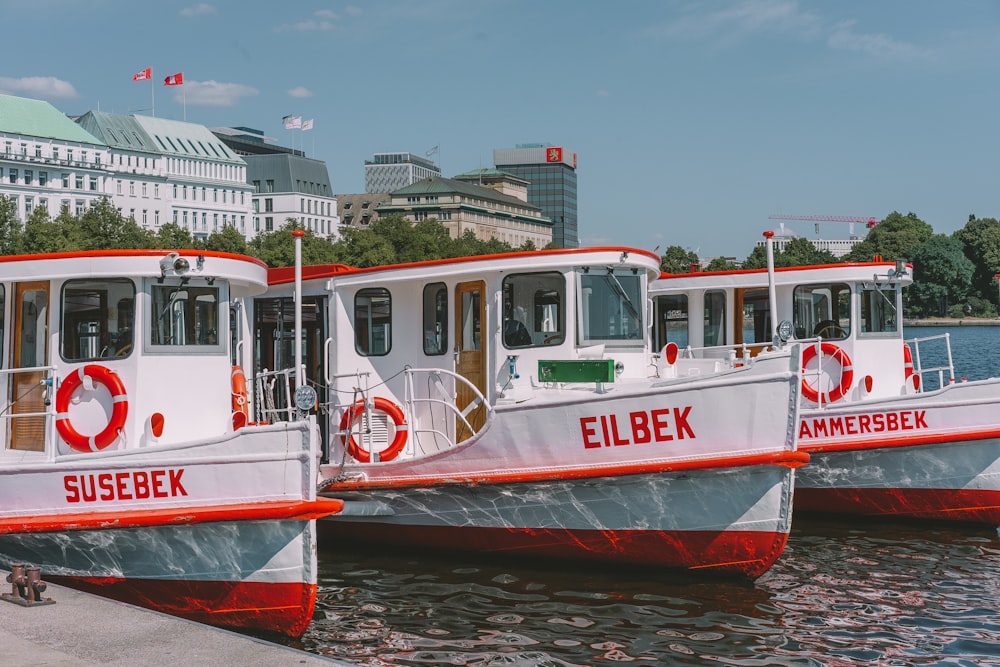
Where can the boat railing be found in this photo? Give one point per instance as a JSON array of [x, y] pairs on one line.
[[273, 394], [944, 372], [34, 401], [436, 420]]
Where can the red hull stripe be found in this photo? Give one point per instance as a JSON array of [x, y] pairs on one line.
[[967, 505], [746, 553], [788, 459], [906, 441], [298, 510], [282, 608]]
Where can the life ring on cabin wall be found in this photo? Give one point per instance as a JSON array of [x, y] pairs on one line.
[[241, 407], [354, 413], [111, 381], [846, 373]]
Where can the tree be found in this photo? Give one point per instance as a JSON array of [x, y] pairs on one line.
[[719, 264], [172, 235], [799, 251], [228, 240], [11, 229], [678, 260], [44, 235], [981, 241], [942, 275], [894, 238], [103, 227], [277, 248]]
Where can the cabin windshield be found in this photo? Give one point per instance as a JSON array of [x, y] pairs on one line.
[[879, 311], [611, 307], [186, 316], [822, 310], [98, 318]]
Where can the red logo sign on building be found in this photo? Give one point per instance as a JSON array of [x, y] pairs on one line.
[[553, 154]]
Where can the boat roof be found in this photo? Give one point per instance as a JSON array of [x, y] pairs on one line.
[[246, 275], [517, 260], [786, 275]]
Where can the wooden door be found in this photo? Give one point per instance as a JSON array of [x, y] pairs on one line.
[[30, 350], [470, 355]]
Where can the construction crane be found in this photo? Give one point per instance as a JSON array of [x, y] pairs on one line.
[[869, 221]]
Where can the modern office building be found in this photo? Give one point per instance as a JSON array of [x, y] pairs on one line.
[[388, 172], [551, 175], [286, 184], [461, 206], [47, 161]]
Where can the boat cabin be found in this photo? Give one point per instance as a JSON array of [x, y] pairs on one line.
[[101, 320], [465, 335], [850, 315]]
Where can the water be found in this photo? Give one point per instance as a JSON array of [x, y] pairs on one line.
[[844, 592]]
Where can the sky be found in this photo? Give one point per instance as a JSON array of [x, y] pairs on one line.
[[693, 122]]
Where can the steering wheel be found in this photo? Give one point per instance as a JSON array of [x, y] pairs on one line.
[[124, 351], [829, 329]]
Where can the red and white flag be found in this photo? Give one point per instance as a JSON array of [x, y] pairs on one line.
[[174, 79], [143, 75]]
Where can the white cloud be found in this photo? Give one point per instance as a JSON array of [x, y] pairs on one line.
[[300, 91], [876, 44], [353, 11], [602, 93], [304, 26], [38, 87], [201, 9], [213, 93]]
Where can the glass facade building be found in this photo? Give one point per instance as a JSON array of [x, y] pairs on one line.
[[388, 172], [551, 175]]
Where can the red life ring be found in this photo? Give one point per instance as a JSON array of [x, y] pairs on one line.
[[908, 367], [119, 412], [846, 373], [353, 414], [241, 409]]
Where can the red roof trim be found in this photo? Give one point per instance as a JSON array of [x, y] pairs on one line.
[[144, 252]]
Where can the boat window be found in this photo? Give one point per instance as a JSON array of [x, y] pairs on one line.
[[533, 312], [756, 325], [187, 315], [435, 319], [822, 310], [372, 322], [715, 318], [98, 318], [611, 307], [671, 320], [878, 311]]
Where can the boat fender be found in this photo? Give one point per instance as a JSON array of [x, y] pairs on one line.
[[119, 412], [354, 413], [846, 373], [241, 408]]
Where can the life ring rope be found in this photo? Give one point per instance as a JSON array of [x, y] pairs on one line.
[[119, 411], [846, 373], [241, 406], [354, 414]]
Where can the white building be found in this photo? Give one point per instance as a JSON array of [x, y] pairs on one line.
[[388, 172], [48, 161]]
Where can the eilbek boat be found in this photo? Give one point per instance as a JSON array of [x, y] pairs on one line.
[[511, 404], [886, 435], [129, 468]]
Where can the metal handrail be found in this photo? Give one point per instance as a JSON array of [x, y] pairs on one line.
[[918, 368]]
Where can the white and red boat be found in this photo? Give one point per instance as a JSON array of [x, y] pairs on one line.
[[512, 404], [887, 434], [128, 467]]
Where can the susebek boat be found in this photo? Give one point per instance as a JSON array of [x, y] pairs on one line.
[[511, 404], [128, 467], [886, 435]]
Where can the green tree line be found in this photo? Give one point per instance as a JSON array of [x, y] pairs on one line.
[[953, 276], [389, 240]]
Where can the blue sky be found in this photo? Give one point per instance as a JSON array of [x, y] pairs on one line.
[[692, 121]]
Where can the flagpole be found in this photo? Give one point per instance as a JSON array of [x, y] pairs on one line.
[[152, 95]]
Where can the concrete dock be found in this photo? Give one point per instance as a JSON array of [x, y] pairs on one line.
[[84, 629]]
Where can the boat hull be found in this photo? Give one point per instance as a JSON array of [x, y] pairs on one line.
[[256, 576], [930, 456], [727, 521]]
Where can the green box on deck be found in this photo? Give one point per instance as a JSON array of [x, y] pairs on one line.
[[579, 370]]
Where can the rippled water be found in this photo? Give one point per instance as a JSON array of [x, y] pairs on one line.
[[843, 593]]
